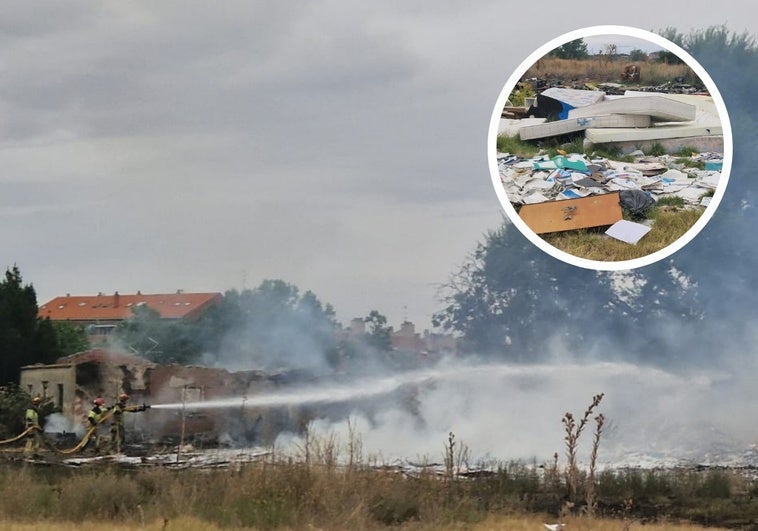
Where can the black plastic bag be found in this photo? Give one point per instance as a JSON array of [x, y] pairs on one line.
[[636, 202]]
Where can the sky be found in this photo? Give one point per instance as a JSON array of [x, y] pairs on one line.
[[624, 43], [201, 146]]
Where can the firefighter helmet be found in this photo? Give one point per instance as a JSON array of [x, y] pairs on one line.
[[123, 397], [98, 401], [36, 400]]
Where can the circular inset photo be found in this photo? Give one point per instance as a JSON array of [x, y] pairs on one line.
[[610, 147]]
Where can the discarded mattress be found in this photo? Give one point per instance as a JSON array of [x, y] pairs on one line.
[[556, 102], [512, 126], [658, 107], [570, 125], [603, 136], [706, 122]]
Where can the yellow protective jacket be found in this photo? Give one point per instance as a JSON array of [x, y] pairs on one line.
[[118, 413], [32, 417], [95, 414]]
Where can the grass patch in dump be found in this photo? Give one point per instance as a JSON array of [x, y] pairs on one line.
[[690, 162], [515, 146], [669, 224], [671, 200]]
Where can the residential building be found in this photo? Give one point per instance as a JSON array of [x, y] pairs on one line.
[[100, 314]]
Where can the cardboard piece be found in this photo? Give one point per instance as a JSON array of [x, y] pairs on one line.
[[570, 214], [627, 231]]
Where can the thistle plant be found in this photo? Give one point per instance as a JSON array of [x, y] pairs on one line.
[[573, 431], [590, 497]]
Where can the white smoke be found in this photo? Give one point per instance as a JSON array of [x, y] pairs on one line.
[[58, 423], [514, 412]]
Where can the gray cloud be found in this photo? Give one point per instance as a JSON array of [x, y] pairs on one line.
[[169, 145]]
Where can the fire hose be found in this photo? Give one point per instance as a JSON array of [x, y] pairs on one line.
[[87, 436], [20, 435], [79, 446]]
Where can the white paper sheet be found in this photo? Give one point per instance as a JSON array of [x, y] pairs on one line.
[[535, 197], [627, 231]]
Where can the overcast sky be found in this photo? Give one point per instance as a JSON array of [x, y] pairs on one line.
[[205, 146], [624, 43]]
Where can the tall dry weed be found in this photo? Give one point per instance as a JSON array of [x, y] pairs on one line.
[[573, 432], [590, 496]]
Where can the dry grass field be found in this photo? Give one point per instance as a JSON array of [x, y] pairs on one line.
[[329, 485], [490, 523], [603, 71], [292, 495]]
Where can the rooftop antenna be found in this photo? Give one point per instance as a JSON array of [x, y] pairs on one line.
[[405, 313]]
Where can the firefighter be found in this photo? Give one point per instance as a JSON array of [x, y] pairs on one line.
[[93, 419], [118, 433], [31, 419]]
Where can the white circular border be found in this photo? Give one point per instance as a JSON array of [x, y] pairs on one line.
[[495, 172]]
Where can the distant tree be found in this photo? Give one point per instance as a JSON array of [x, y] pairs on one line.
[[160, 340], [718, 46], [13, 404], [378, 335], [271, 326], [576, 49], [511, 301], [509, 298], [721, 251], [674, 35], [669, 57], [637, 55], [70, 338], [24, 338]]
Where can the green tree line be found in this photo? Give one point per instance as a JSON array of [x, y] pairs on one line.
[[273, 326]]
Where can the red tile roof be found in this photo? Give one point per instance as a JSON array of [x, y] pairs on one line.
[[118, 307]]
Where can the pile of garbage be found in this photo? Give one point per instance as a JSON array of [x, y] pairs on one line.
[[571, 176], [638, 118], [675, 86]]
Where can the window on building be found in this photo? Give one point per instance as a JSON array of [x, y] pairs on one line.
[[192, 394]]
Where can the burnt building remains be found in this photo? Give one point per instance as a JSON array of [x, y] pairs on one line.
[[73, 382]]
